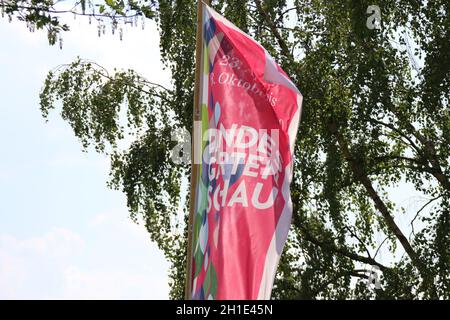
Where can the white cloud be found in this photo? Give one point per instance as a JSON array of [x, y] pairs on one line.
[[12, 274], [79, 161], [59, 265], [57, 242], [120, 222], [23, 260], [99, 220], [107, 256], [99, 284]]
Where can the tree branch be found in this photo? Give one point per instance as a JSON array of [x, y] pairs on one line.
[[331, 246], [360, 174], [420, 210], [429, 152], [360, 241], [52, 10], [353, 273], [379, 247], [273, 28], [393, 128]]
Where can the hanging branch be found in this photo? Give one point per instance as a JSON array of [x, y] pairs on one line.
[[45, 14]]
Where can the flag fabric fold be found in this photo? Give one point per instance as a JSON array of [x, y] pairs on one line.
[[250, 112]]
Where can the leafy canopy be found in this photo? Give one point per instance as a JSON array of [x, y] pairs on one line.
[[375, 118]]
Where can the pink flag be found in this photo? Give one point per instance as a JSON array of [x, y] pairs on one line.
[[250, 113]]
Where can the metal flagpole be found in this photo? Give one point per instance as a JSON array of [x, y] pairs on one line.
[[194, 166]]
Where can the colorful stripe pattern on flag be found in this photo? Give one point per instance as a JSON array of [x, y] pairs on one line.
[[250, 112]]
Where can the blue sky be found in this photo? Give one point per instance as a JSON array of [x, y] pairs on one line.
[[63, 233]]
